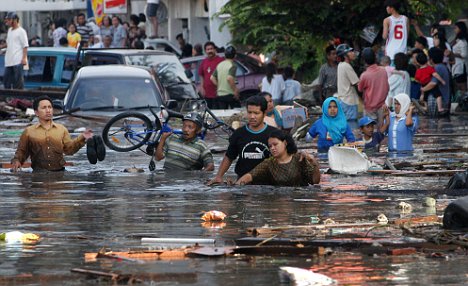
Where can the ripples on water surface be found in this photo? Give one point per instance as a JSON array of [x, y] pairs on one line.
[[92, 207]]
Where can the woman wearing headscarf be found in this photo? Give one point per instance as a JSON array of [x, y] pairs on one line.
[[403, 125], [332, 127]]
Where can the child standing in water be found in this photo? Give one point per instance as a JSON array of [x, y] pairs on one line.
[[403, 125], [371, 138], [332, 127]]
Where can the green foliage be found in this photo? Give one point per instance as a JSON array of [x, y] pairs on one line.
[[298, 31]]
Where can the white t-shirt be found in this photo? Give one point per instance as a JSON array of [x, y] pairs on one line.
[[397, 36], [460, 47], [347, 78], [17, 40], [275, 88]]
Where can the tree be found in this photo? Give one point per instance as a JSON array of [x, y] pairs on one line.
[[299, 30]]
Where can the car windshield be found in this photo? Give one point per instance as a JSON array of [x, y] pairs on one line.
[[168, 67], [115, 93]]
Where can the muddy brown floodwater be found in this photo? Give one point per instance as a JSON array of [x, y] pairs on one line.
[[90, 207]]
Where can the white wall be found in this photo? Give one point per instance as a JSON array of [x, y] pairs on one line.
[[223, 37], [42, 5]]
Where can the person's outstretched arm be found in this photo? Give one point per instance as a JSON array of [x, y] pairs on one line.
[[223, 168]]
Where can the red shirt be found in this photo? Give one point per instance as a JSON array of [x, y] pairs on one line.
[[374, 85], [206, 69], [424, 75]]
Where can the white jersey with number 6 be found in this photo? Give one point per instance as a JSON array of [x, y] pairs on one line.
[[397, 36]]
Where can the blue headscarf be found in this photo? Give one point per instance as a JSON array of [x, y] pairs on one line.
[[337, 125]]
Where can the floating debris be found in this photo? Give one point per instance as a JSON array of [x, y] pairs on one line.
[[19, 237], [405, 207], [382, 219], [213, 216], [300, 276]]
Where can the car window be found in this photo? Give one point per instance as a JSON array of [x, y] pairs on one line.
[[110, 92], [193, 67], [41, 69], [240, 71], [102, 60], [167, 67], [68, 66]]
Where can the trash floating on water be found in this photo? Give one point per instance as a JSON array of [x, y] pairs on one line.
[[213, 216], [177, 242], [405, 207], [19, 237], [429, 202], [329, 221], [134, 170], [314, 219], [300, 276], [382, 219], [347, 160]]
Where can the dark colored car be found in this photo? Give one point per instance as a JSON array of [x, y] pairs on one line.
[[249, 75], [98, 93], [167, 67]]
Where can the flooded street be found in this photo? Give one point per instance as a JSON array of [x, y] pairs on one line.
[[91, 207]]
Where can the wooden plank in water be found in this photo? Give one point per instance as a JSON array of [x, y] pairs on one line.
[[407, 173]]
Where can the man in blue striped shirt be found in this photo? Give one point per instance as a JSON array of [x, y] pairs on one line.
[[186, 151]]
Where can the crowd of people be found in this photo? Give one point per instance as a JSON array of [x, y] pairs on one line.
[[391, 88]]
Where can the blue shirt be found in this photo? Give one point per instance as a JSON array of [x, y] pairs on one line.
[[400, 136], [377, 137], [324, 139], [442, 70], [292, 89]]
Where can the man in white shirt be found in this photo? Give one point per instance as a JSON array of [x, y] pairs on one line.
[[16, 54], [347, 81]]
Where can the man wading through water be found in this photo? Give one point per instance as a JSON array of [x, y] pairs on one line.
[[46, 142], [249, 143]]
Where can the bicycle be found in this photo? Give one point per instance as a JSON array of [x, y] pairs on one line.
[[131, 130]]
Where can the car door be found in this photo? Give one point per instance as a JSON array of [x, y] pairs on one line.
[[41, 71]]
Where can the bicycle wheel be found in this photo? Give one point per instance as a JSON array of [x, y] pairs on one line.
[[127, 131]]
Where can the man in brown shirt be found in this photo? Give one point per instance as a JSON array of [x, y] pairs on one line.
[[46, 142]]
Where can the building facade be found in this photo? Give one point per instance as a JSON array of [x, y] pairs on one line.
[[195, 19]]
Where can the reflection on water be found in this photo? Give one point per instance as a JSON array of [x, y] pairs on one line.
[[92, 207]]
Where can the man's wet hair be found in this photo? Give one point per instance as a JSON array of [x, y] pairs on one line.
[[81, 14], [179, 36], [257, 100], [421, 58], [416, 51], [329, 49], [63, 41], [385, 60], [436, 55], [395, 4], [209, 43], [265, 93], [422, 40], [288, 72], [291, 147], [37, 100], [401, 61]]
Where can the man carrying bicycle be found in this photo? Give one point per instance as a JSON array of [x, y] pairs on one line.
[[186, 151]]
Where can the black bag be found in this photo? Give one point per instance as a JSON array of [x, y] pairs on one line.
[[456, 214], [458, 181]]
